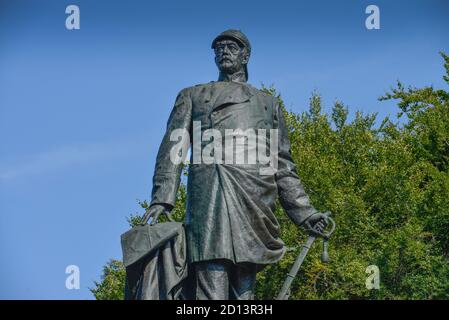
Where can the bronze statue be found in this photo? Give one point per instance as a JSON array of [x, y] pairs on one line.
[[231, 229]]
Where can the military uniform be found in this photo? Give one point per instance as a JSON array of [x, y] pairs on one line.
[[230, 207]]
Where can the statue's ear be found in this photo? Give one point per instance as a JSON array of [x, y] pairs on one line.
[[245, 58]]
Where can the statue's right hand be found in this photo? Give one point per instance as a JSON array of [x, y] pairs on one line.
[[154, 212]]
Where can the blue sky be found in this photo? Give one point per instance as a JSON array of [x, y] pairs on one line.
[[82, 112]]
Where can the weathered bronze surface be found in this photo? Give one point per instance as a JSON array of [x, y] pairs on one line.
[[230, 224]]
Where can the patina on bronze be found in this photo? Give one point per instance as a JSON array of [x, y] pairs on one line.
[[231, 229]]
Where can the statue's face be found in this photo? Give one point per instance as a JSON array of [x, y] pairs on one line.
[[229, 56]]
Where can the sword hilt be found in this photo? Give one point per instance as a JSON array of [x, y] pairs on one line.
[[326, 236], [325, 254]]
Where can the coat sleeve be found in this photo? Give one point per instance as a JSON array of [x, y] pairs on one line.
[[291, 193], [167, 173]]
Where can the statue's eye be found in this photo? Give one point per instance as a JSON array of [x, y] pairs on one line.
[[234, 49], [219, 48]]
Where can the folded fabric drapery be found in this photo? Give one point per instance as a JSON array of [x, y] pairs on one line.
[[155, 260]]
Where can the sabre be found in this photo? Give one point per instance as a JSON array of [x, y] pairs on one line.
[[285, 291]]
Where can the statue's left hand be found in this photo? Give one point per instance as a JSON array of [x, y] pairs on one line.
[[316, 224]]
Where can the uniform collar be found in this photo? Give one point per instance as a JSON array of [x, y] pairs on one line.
[[239, 76]]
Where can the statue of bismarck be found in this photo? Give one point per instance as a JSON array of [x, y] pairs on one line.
[[231, 229]]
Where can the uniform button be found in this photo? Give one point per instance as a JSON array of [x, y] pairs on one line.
[[266, 108]]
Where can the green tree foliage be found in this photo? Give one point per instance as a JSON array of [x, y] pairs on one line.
[[387, 187], [112, 285]]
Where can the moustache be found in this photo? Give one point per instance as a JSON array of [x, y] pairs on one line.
[[225, 59]]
